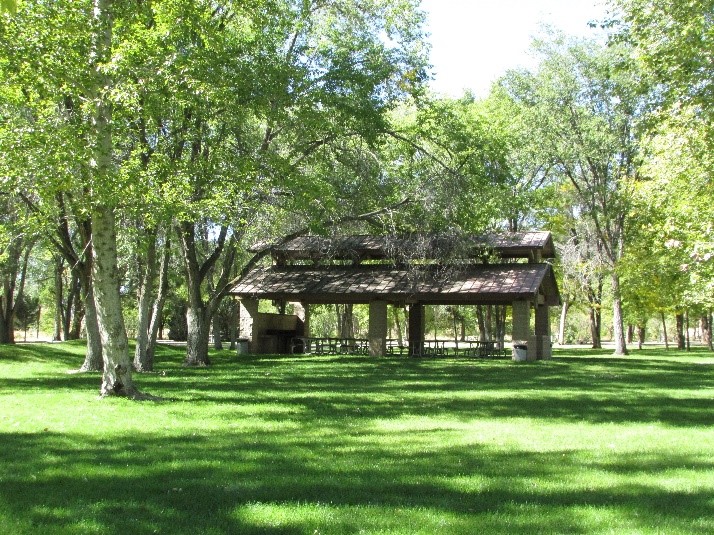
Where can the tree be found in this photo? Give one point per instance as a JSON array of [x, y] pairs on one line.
[[584, 108], [15, 247], [672, 40]]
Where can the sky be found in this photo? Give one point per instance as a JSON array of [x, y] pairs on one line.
[[474, 42]]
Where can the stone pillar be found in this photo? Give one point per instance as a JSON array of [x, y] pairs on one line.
[[541, 340], [378, 328], [521, 333], [416, 328], [521, 321], [250, 324]]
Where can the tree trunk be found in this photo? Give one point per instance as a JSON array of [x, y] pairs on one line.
[[234, 325], [501, 314], [142, 363], [59, 300], [706, 323], [480, 318], [398, 325], [630, 333], [618, 325], [93, 359], [681, 340], [348, 325], [158, 308], [78, 310], [116, 377], [7, 332], [67, 306], [595, 301], [563, 317], [664, 329], [640, 335], [197, 335], [217, 342]]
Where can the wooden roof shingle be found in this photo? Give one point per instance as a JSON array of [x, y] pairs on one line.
[[466, 284]]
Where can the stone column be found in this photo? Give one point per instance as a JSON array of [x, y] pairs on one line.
[[542, 333], [521, 321], [521, 333], [378, 328], [416, 328], [250, 327]]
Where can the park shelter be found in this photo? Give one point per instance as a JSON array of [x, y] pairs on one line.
[[413, 271]]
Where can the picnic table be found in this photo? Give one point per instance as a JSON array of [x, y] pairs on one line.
[[329, 345]]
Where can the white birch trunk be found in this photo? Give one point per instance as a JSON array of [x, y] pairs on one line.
[[618, 324], [563, 317], [116, 379]]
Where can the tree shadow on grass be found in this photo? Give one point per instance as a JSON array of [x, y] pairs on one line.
[[201, 484], [597, 391]]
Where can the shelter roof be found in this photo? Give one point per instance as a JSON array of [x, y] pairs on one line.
[[529, 245], [429, 284]]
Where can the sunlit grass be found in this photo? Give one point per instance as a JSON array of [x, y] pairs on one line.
[[585, 443]]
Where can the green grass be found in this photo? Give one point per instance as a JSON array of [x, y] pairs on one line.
[[585, 443]]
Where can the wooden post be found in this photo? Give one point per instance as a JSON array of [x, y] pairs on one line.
[[378, 328], [416, 328]]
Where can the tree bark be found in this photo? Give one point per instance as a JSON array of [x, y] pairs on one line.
[[640, 335], [142, 362], [563, 317], [158, 307], [78, 310], [595, 314], [664, 330], [59, 299], [707, 330], [618, 326], [116, 377], [93, 359], [681, 340], [217, 342], [197, 335], [481, 319]]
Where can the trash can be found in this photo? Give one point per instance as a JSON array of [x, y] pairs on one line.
[[242, 346], [520, 352]]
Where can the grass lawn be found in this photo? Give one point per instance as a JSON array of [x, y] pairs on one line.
[[585, 443]]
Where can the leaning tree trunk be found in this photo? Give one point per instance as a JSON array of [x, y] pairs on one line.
[[146, 296], [158, 307], [93, 359], [59, 326], [664, 330], [78, 310], [618, 325], [563, 318]]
